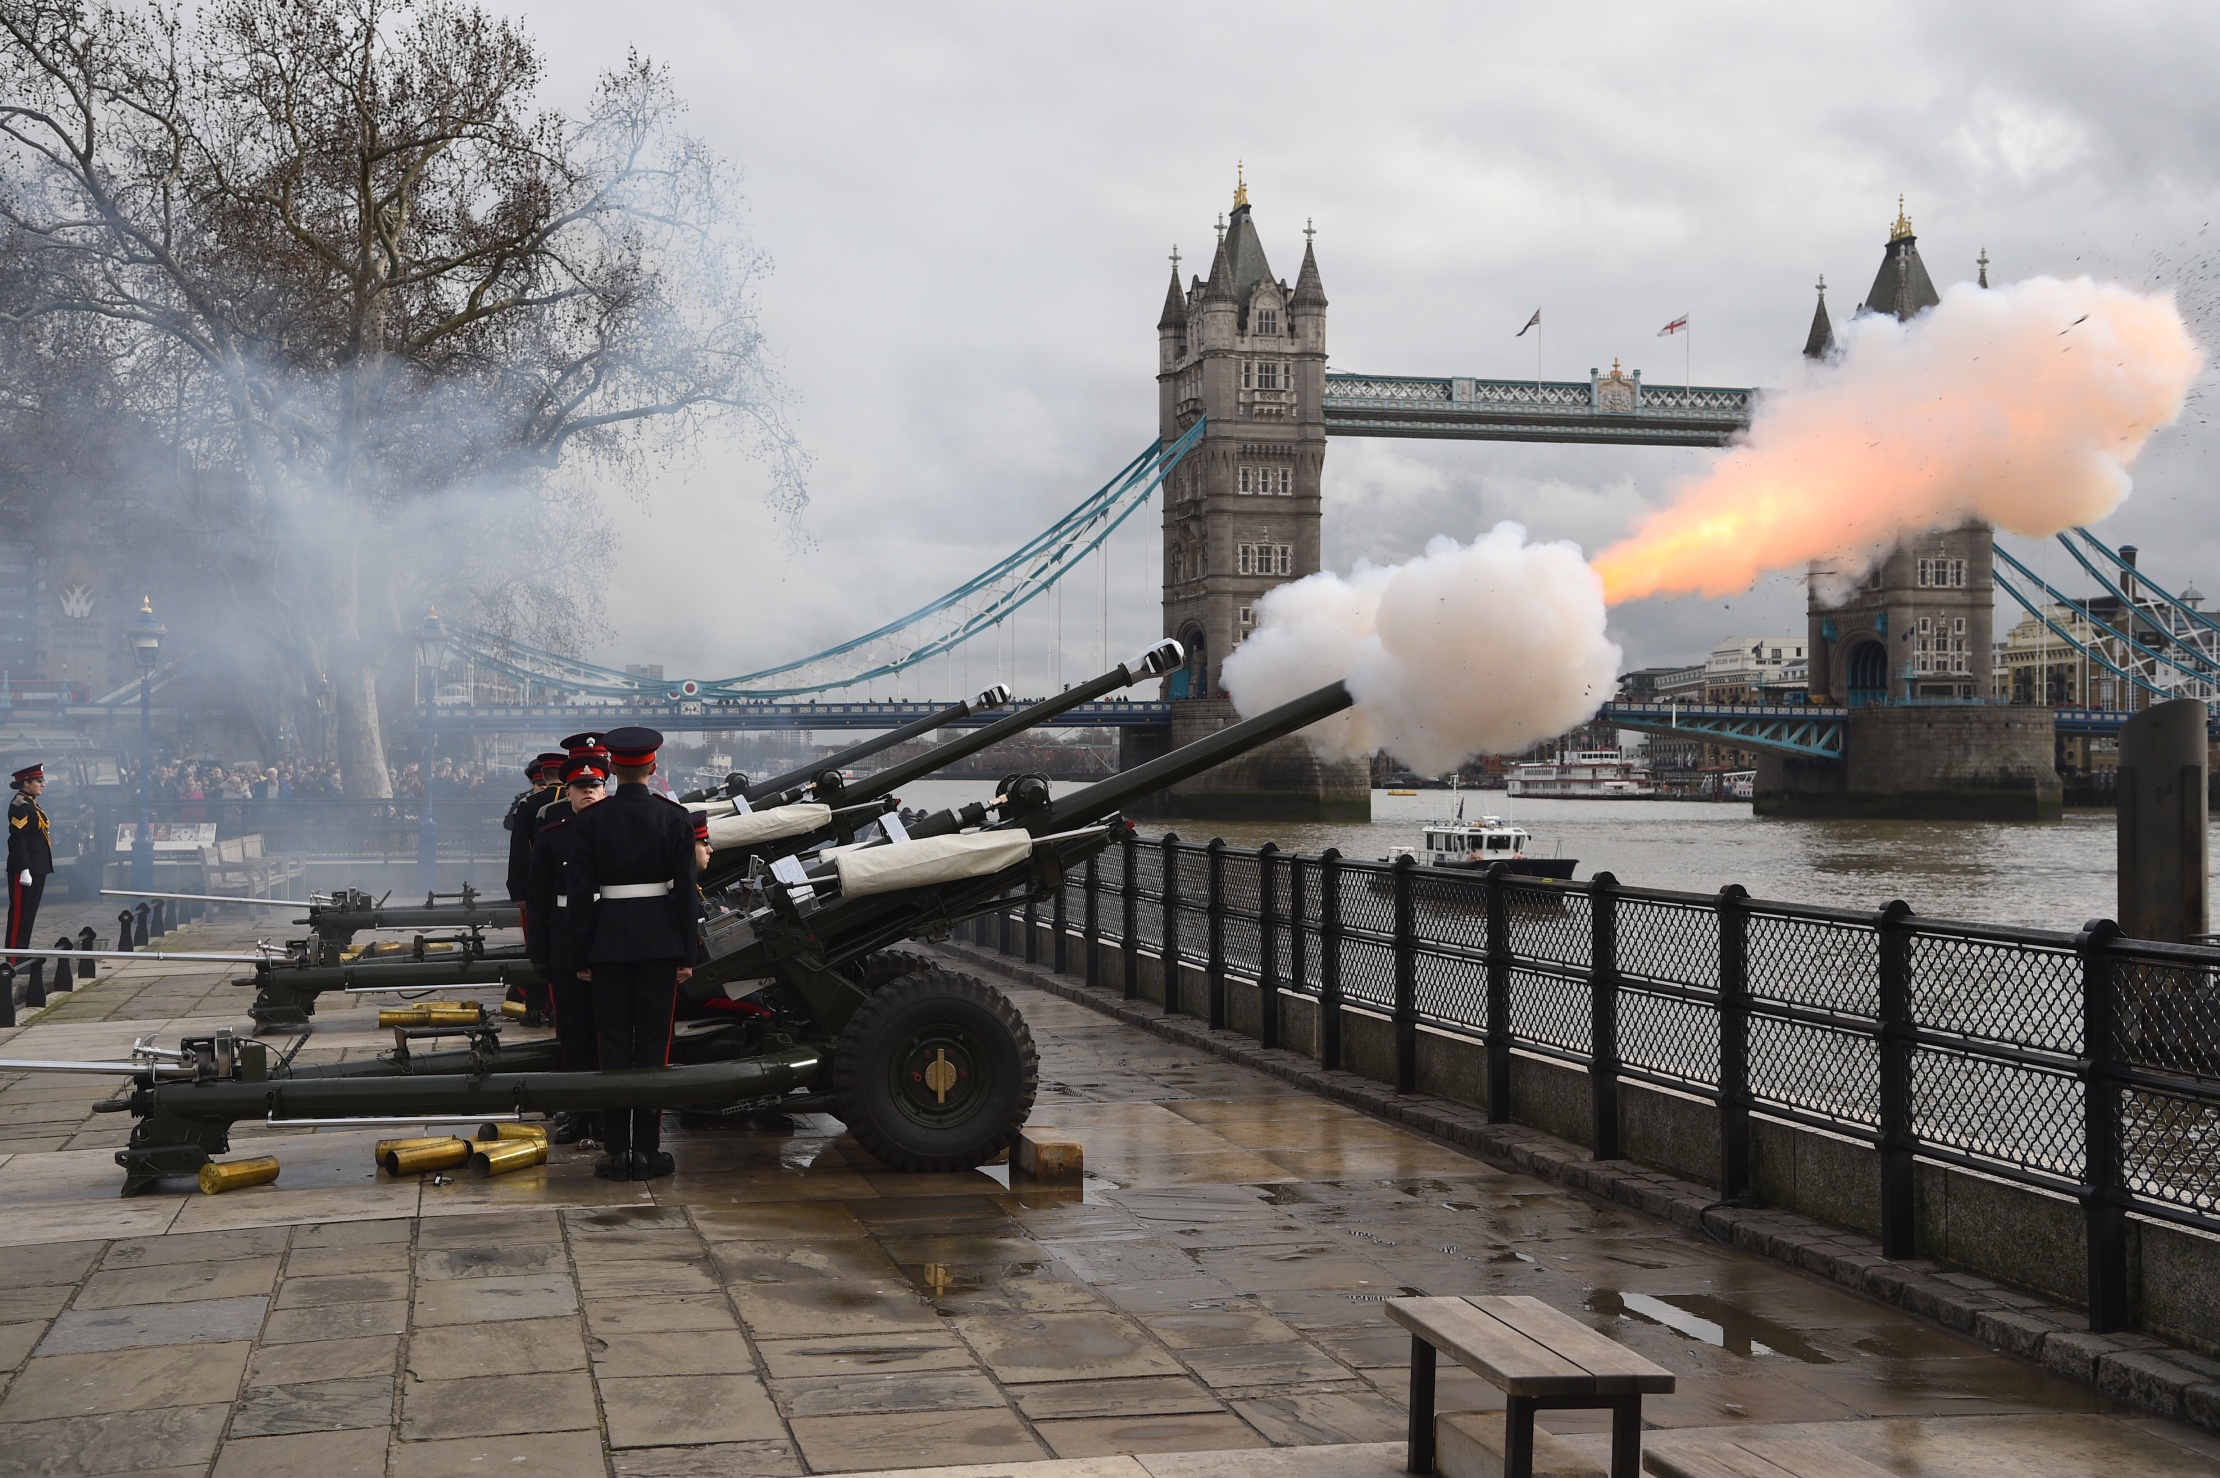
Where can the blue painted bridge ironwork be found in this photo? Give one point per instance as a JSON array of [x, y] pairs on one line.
[[1809, 730], [700, 716], [1604, 409]]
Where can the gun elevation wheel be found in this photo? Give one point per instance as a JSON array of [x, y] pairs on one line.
[[936, 1071]]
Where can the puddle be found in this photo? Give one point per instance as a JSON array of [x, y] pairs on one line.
[[1715, 1322]]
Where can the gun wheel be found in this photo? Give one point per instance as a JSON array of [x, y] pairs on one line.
[[936, 1071], [874, 972]]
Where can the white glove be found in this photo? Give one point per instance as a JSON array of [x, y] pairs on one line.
[[24, 877]]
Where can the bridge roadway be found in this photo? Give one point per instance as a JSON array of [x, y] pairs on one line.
[[1812, 731], [1611, 409]]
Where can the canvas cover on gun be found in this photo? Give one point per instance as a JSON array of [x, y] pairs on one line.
[[933, 860], [768, 826]]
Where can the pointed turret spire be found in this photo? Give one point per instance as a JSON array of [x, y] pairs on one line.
[[1175, 301], [1220, 287], [1902, 286], [1309, 291], [1820, 342], [1982, 262]]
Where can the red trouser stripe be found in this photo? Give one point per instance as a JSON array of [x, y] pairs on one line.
[[671, 1031]]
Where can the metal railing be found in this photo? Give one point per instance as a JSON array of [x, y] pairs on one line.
[[2085, 1064]]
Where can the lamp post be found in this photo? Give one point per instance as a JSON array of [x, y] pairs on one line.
[[146, 645], [323, 720], [431, 651]]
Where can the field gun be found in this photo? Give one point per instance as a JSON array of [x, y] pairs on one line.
[[334, 919], [803, 1003]]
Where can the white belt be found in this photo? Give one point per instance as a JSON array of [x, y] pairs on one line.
[[615, 892]]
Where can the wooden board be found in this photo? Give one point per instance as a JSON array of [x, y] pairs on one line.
[[1490, 1348], [1617, 1369]]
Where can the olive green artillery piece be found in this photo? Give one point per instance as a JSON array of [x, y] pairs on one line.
[[286, 989], [804, 1002]]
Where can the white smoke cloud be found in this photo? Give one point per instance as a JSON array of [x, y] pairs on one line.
[[1480, 648]]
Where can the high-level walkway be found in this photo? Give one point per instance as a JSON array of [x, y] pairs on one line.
[[783, 1305]]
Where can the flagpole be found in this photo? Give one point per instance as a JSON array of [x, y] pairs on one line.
[[1537, 364], [1688, 359]]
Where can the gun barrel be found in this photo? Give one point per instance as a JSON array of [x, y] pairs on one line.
[[993, 697], [1154, 662], [1106, 797], [136, 954], [210, 898]]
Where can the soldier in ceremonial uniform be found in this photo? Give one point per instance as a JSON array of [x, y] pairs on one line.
[[551, 930], [520, 823], [636, 878], [30, 855]]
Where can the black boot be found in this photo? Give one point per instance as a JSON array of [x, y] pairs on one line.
[[569, 1128], [652, 1164], [614, 1167]]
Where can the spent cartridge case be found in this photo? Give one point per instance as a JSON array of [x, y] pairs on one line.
[[499, 1157], [414, 1142], [215, 1179], [446, 1154], [512, 1131], [515, 1010], [443, 1013]]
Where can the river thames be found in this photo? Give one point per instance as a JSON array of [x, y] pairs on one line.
[[2046, 875]]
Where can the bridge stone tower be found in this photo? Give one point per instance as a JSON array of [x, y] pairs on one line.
[[1909, 652], [1241, 511], [1920, 625]]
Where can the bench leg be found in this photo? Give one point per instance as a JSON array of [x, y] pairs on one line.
[[1418, 1450], [1518, 1437], [1626, 1437]]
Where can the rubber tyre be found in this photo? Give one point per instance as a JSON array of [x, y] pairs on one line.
[[936, 1071], [877, 971]]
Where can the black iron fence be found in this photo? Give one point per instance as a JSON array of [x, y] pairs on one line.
[[2086, 1064]]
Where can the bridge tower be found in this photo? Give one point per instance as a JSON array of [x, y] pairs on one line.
[[1241, 511], [1919, 625], [1908, 650]]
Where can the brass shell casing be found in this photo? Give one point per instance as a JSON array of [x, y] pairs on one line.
[[515, 1010], [445, 1013], [444, 1154], [488, 1132], [386, 1146], [499, 1157], [215, 1179]]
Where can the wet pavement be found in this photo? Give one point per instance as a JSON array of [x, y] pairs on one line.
[[784, 1305]]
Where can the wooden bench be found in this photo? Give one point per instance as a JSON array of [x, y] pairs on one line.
[[1538, 1358], [1760, 1457]]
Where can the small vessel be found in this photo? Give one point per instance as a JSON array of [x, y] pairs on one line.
[[1584, 775], [1402, 792], [1476, 846]]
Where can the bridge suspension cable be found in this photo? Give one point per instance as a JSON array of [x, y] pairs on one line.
[[2200, 679], [982, 603]]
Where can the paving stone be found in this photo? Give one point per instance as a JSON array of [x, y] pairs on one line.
[[840, 1354], [316, 1406], [659, 1411], [839, 1395], [488, 1229], [338, 1321], [1158, 1395], [325, 1262], [477, 1300], [365, 1234], [921, 1439], [329, 1290], [496, 1405], [180, 1439], [150, 1252], [541, 1455], [515, 1347], [717, 1460], [1108, 1436], [80, 1331], [48, 1264], [350, 1454], [322, 1360], [696, 1352], [1021, 1348], [491, 1261], [646, 1315], [125, 1380], [648, 1278], [39, 1301], [1323, 1417], [179, 1283]]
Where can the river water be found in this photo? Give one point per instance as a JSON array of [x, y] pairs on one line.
[[2045, 875]]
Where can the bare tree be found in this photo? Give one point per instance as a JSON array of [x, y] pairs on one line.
[[335, 249]]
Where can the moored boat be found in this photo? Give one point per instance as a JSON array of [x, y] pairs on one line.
[[1584, 775]]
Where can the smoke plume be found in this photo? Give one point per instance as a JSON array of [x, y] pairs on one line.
[[1484, 647], [2021, 405]]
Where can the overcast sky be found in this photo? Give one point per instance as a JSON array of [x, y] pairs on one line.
[[970, 208]]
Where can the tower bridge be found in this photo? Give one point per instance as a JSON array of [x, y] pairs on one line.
[[1245, 405]]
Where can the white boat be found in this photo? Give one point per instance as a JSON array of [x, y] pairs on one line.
[[1479, 845], [1584, 775]]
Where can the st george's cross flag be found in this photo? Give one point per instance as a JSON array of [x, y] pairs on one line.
[[1530, 323], [1678, 325]]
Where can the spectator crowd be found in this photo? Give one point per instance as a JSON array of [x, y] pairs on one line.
[[211, 780]]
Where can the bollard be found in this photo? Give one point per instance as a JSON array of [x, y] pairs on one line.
[[7, 994], [2163, 802], [86, 941], [143, 917], [160, 918], [63, 979], [123, 930], [34, 989]]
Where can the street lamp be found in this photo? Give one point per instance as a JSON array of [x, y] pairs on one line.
[[323, 719], [431, 652], [146, 645]]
